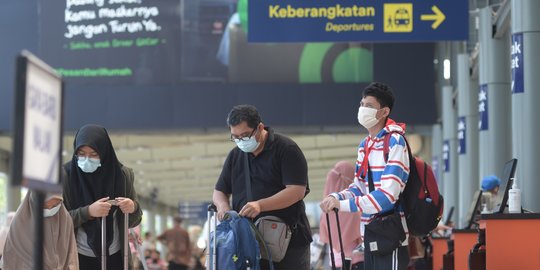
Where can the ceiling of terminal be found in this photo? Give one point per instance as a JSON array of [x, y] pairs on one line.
[[184, 167]]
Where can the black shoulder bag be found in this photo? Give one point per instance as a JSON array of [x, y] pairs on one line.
[[385, 232]]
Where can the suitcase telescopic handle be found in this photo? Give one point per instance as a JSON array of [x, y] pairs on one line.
[[340, 238], [103, 243], [211, 249], [333, 260], [126, 240]]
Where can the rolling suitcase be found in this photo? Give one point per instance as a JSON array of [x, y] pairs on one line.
[[211, 249], [245, 244], [343, 262], [104, 240]]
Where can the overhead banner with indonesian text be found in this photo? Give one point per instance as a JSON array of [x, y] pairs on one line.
[[346, 20]]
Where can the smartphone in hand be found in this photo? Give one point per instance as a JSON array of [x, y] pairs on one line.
[[113, 202]]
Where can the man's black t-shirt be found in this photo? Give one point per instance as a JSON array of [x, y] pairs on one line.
[[280, 163]]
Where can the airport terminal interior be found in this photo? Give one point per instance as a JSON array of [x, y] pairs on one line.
[[162, 75]]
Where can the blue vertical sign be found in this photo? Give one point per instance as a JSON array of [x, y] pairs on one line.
[[462, 130], [517, 63], [446, 155], [483, 107]]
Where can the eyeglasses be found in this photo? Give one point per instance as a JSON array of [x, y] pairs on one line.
[[245, 139]]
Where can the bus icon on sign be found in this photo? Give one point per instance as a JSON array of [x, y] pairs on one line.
[[398, 17], [402, 17]]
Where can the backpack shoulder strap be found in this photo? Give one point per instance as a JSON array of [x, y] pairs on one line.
[[386, 145], [386, 151]]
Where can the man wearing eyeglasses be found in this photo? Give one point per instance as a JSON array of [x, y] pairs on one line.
[[277, 171]]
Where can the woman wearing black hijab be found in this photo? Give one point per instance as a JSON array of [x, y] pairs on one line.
[[95, 176]]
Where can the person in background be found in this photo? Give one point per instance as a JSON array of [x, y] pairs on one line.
[[178, 245], [149, 243], [337, 179], [490, 188], [147, 254], [197, 254], [4, 231], [99, 186], [279, 178], [135, 242], [59, 245], [155, 262]]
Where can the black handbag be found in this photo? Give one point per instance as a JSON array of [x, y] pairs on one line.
[[385, 232]]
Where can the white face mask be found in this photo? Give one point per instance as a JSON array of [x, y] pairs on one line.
[[88, 165], [249, 145], [51, 212], [367, 117]]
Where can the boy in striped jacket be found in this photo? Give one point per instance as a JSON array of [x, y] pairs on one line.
[[389, 174]]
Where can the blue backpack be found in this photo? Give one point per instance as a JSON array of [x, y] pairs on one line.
[[236, 244]]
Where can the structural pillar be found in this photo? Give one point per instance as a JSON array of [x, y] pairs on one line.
[[152, 219], [449, 150], [467, 134], [436, 152], [493, 99], [525, 65]]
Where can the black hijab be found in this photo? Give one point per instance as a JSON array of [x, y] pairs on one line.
[[86, 188]]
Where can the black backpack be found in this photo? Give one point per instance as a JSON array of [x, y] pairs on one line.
[[421, 200]]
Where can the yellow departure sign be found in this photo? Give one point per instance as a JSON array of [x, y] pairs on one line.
[[347, 21]]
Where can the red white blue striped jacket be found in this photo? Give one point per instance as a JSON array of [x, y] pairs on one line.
[[389, 176]]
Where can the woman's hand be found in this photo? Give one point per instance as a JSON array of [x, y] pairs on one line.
[[99, 208], [126, 205]]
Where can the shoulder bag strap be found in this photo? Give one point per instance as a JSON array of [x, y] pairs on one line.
[[248, 177], [254, 229], [370, 180]]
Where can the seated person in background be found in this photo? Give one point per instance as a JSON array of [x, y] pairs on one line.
[[155, 262], [443, 230], [490, 188], [59, 244]]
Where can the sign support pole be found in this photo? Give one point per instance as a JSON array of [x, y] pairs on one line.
[[37, 209]]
